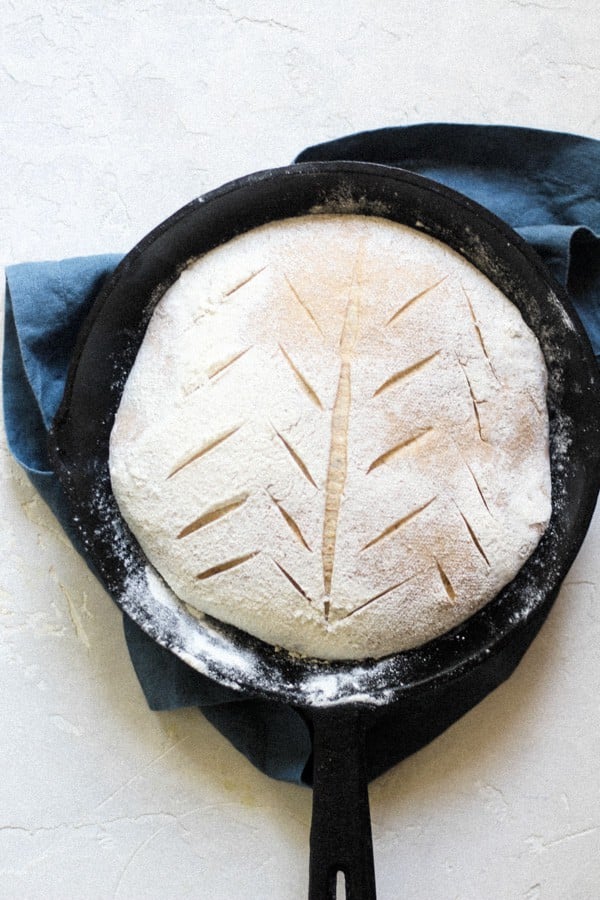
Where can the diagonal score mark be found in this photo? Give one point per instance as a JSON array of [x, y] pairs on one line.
[[414, 299], [222, 366], [299, 462], [301, 302], [206, 449], [291, 522], [534, 403], [473, 476], [405, 373], [451, 593], [212, 515], [389, 454], [473, 401], [477, 328], [378, 596], [244, 282], [292, 581], [477, 485], [473, 536], [226, 566], [304, 383], [398, 524]]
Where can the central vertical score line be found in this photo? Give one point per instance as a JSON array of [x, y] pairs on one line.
[[337, 469]]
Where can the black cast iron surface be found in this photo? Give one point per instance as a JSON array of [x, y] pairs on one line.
[[416, 693]]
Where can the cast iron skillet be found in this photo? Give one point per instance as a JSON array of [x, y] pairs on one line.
[[339, 700]]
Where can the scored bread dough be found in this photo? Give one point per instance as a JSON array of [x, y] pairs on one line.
[[335, 437]]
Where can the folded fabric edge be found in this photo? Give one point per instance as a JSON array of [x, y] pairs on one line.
[[420, 134], [24, 425], [49, 302]]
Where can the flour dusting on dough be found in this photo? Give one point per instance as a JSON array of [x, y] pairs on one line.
[[335, 437]]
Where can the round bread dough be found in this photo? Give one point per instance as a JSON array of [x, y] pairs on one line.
[[335, 437]]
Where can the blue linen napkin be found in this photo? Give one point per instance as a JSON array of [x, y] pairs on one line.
[[544, 184]]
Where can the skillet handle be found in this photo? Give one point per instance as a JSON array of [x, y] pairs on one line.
[[340, 835]]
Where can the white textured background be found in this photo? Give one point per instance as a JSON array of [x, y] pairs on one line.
[[114, 114]]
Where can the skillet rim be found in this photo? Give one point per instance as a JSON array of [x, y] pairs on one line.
[[451, 644]]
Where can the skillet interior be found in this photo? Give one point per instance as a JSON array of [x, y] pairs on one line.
[[495, 637]]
